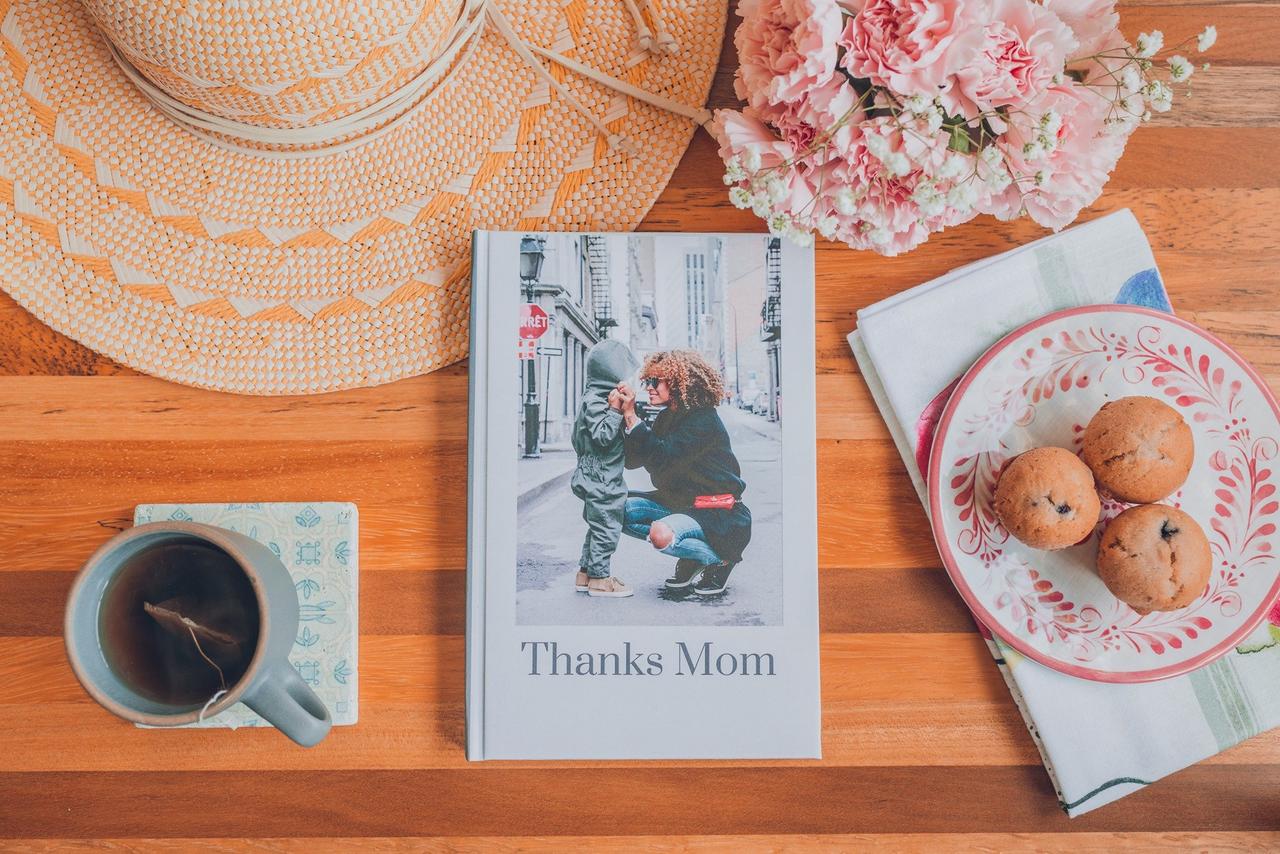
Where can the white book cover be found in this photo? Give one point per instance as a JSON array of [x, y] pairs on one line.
[[642, 522]]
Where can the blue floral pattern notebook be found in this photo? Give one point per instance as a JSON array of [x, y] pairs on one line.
[[318, 542]]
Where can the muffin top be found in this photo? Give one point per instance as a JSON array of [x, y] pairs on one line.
[[1154, 558], [1046, 498], [1140, 449]]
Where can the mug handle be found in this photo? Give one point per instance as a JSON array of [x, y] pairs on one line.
[[289, 704]]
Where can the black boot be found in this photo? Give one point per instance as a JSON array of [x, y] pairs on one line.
[[714, 580], [686, 571]]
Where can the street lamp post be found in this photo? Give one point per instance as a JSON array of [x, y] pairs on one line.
[[737, 374], [531, 256]]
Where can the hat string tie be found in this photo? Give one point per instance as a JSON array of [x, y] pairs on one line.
[[393, 109]]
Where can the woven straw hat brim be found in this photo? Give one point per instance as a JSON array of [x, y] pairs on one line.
[[225, 270]]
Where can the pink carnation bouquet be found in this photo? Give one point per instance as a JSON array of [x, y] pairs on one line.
[[879, 122]]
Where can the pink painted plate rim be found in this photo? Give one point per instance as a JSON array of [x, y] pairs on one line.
[[944, 546]]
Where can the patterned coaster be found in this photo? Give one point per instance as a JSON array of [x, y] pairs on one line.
[[319, 544]]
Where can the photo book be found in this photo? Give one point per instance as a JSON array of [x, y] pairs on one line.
[[642, 536]]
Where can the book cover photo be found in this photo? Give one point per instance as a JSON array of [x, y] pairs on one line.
[[642, 553]]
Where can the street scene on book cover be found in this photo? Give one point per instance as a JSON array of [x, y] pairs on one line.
[[649, 448]]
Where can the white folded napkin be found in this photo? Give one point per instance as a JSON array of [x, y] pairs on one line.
[[1099, 741]]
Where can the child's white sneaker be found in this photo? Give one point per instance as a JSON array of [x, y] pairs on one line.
[[580, 582], [608, 586]]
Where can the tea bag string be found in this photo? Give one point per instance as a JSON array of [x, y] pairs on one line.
[[388, 112], [222, 680]]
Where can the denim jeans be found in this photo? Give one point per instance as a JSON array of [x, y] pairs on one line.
[[688, 540]]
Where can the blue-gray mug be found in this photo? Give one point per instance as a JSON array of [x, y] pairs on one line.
[[268, 684]]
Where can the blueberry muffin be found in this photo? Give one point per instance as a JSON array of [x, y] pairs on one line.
[[1139, 448], [1046, 499], [1154, 558]]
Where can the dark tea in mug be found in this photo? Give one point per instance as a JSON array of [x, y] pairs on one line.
[[179, 622]]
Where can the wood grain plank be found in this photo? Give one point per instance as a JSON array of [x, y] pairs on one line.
[[428, 735], [877, 666], [657, 800], [904, 843], [1247, 32], [892, 699], [411, 496], [402, 602]]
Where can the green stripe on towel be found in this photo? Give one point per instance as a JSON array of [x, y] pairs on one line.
[[1225, 704]]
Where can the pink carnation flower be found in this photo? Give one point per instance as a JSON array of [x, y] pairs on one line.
[[1024, 46], [884, 214], [1091, 21], [802, 122], [1071, 177], [912, 46], [785, 49], [740, 132]]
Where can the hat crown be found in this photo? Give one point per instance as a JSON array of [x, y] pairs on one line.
[[277, 63]]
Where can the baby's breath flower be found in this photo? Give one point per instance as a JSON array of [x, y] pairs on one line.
[[845, 202], [991, 156], [963, 196], [779, 223], [953, 166], [740, 197], [1159, 96], [760, 204], [1033, 151], [734, 172], [933, 119], [776, 189], [1051, 122], [999, 179], [1205, 40], [1179, 69], [1148, 45], [928, 199], [878, 146], [799, 236], [916, 104], [751, 160], [1146, 116], [896, 163], [1131, 78], [827, 227]]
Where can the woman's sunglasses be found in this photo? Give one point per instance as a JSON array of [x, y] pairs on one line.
[[651, 383]]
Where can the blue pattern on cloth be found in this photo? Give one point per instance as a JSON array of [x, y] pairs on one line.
[[1145, 289]]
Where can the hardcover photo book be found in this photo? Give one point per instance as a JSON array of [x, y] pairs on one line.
[[642, 525]]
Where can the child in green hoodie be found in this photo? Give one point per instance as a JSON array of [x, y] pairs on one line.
[[598, 480]]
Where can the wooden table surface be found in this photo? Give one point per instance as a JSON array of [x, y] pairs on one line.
[[920, 736]]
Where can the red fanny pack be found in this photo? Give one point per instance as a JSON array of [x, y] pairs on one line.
[[714, 502]]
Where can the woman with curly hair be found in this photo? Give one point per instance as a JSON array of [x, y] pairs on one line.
[[695, 512]]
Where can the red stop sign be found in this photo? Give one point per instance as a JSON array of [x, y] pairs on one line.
[[533, 320]]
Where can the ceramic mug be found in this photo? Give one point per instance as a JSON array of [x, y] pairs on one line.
[[269, 684]]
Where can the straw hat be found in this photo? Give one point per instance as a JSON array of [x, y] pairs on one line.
[[277, 196]]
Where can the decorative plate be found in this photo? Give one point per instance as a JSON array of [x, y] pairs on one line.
[[1040, 385]]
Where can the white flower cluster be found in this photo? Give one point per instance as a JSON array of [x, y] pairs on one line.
[[1139, 93], [1045, 138], [763, 195]]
